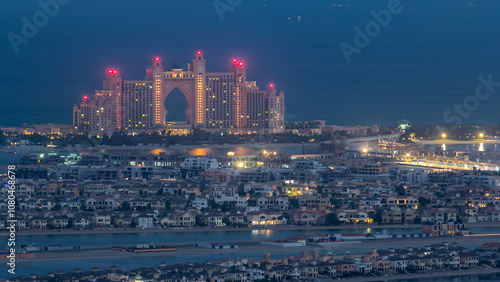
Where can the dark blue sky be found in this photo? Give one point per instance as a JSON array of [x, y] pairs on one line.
[[427, 59]]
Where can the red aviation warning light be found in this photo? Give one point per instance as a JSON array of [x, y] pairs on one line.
[[235, 61], [110, 71], [157, 59], [241, 64], [85, 97], [199, 52], [271, 85], [115, 72]]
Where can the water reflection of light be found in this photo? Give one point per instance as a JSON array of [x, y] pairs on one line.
[[443, 147], [157, 151], [200, 152], [266, 232], [481, 147]]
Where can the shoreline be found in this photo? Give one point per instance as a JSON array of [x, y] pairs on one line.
[[111, 230], [29, 149], [455, 142]]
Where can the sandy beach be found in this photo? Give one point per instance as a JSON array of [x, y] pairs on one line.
[[206, 229], [218, 229]]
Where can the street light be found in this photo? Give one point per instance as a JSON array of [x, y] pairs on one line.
[[481, 135], [365, 150], [443, 135]]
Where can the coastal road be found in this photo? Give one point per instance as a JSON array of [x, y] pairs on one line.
[[374, 138]]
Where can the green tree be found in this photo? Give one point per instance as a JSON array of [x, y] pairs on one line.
[[294, 203], [352, 205], [225, 207], [319, 188], [332, 219], [400, 189], [125, 206], [335, 202], [423, 202], [377, 217], [241, 190], [3, 138]]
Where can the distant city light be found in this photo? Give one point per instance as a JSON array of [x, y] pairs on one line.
[[365, 150]]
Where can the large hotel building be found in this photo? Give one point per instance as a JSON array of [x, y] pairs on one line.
[[216, 101]]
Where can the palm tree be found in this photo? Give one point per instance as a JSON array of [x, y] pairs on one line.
[[95, 269], [78, 270], [114, 267]]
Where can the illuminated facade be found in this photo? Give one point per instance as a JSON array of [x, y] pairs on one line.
[[98, 115], [220, 101]]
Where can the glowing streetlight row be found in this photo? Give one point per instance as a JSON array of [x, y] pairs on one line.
[[481, 135]]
